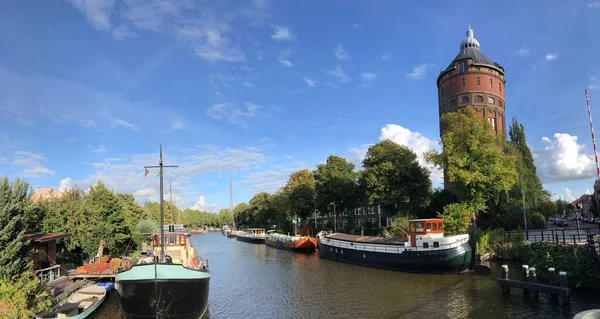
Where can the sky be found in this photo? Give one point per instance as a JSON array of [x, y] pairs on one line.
[[254, 90]]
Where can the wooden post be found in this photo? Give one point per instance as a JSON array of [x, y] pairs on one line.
[[552, 278], [564, 283], [504, 275], [533, 278], [524, 277]]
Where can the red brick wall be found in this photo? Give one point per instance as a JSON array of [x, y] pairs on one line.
[[451, 92]]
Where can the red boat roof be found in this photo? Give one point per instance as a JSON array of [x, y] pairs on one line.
[[367, 239], [41, 238]]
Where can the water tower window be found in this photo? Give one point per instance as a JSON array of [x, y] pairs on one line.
[[478, 82], [463, 82], [491, 83], [463, 66], [491, 100], [500, 86], [479, 98], [444, 107], [464, 99]]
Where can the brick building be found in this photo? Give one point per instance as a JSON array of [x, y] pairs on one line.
[[473, 79], [46, 193]]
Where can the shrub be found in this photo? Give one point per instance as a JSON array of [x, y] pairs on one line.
[[22, 297], [457, 217], [488, 240]]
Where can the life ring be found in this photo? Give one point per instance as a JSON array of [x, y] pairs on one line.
[[194, 263], [405, 235]]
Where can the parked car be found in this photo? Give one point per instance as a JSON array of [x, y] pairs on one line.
[[562, 223]]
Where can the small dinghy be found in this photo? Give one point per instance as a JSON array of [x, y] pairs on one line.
[[80, 305]]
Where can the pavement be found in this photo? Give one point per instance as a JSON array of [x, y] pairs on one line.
[[569, 234]]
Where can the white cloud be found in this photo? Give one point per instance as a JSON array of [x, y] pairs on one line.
[[523, 52], [563, 159], [284, 58], [176, 125], [282, 33], [593, 86], [202, 206], [65, 184], [97, 12], [368, 76], [31, 163], [144, 192], [569, 196], [232, 114], [3, 159], [38, 171], [217, 48], [123, 32], [309, 82], [100, 149], [87, 123], [339, 73], [594, 5], [387, 58], [119, 122], [340, 53], [419, 71], [248, 84], [551, 57]]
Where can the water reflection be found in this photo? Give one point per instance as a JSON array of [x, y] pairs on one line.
[[250, 280]]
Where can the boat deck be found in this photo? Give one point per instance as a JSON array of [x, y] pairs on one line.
[[368, 239]]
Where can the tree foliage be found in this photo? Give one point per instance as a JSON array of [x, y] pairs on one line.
[[473, 159], [336, 183], [21, 296], [300, 193], [392, 176]]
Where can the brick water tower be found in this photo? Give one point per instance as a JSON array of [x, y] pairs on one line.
[[472, 79]]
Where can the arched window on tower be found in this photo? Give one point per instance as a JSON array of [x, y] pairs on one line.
[[491, 83], [463, 82], [500, 86], [479, 98], [464, 99], [453, 103], [478, 82], [500, 103], [491, 100], [444, 107]]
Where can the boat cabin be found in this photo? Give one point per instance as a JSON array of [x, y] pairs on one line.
[[177, 246], [257, 232], [430, 227]]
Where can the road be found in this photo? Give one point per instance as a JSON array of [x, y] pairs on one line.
[[569, 234]]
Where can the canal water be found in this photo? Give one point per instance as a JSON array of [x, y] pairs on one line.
[[256, 281]]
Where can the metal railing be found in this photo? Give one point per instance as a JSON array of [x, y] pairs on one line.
[[564, 236], [48, 274], [390, 248]]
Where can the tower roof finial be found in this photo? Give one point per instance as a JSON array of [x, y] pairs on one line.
[[469, 41]]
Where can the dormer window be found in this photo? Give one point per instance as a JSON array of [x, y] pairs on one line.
[[463, 66]]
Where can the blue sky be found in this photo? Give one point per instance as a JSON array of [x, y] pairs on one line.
[[254, 90]]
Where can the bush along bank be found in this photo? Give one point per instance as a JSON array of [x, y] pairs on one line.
[[581, 262]]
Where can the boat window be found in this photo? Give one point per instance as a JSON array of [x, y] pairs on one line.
[[434, 226], [425, 245], [428, 226], [172, 239], [419, 227], [440, 226], [436, 244]]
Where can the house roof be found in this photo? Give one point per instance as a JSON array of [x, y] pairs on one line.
[[42, 238]]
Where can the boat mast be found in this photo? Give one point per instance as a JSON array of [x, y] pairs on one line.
[[171, 200], [231, 204], [162, 209]]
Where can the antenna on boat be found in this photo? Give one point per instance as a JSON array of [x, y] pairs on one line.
[[162, 209], [231, 204], [171, 201]]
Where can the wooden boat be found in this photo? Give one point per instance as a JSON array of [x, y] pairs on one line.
[[79, 305], [252, 235], [424, 248], [170, 282], [291, 243]]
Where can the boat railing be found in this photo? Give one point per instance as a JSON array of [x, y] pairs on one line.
[[392, 248]]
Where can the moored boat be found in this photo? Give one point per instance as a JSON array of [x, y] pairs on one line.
[[170, 282], [424, 248], [79, 305], [291, 243], [252, 235]]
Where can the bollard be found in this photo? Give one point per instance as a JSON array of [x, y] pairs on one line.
[[524, 277], [504, 275], [564, 283], [552, 278], [533, 278]]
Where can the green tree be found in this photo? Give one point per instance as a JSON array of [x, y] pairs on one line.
[[104, 206], [336, 182], [473, 159], [280, 204], [20, 295], [439, 199], [392, 176], [243, 215], [300, 193], [261, 209]]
